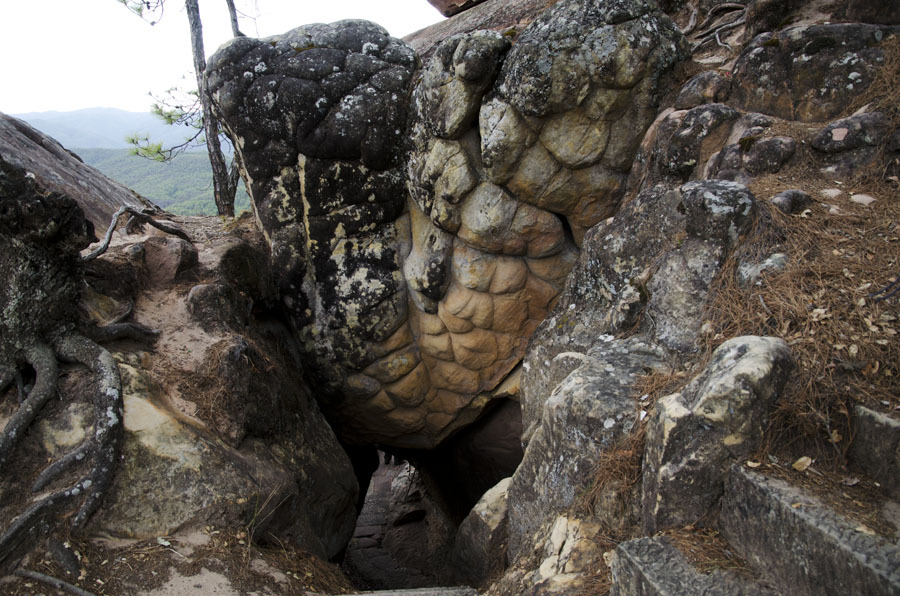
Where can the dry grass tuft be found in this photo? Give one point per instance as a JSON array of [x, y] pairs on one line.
[[705, 549]]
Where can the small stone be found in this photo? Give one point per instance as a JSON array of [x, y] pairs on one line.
[[791, 201], [831, 193], [862, 199]]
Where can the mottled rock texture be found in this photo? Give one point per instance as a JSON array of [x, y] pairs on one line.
[[649, 270], [718, 419], [414, 276], [807, 73]]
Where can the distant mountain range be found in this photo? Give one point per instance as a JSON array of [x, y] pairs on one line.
[[97, 135], [104, 128]]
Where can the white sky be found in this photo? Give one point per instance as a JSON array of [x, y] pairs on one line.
[[70, 54]]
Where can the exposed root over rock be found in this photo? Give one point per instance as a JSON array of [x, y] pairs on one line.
[[40, 239]]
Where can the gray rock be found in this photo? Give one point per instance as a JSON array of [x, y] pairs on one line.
[[718, 418], [455, 79], [57, 169], [875, 449], [653, 567], [749, 273], [801, 545], [807, 73], [862, 130], [792, 201], [587, 413]]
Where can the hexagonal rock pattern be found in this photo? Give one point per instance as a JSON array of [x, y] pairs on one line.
[[414, 278]]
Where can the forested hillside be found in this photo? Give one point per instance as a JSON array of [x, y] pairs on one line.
[[183, 186]]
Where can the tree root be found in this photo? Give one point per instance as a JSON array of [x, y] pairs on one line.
[[102, 449], [715, 33], [135, 216], [52, 581]]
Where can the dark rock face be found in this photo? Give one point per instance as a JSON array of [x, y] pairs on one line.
[[709, 86], [807, 73]]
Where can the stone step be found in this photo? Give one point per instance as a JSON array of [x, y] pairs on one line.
[[802, 546], [875, 450], [447, 591], [654, 567]]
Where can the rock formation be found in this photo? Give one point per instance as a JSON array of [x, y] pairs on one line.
[[485, 245], [415, 289]]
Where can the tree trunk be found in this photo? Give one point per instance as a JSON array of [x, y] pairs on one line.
[[223, 191], [232, 12]]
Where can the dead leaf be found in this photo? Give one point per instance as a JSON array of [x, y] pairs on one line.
[[753, 464], [865, 530], [802, 464], [835, 436], [849, 481]]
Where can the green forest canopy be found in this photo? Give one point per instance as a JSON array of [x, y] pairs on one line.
[[182, 186]]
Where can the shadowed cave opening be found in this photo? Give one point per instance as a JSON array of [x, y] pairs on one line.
[[416, 500]]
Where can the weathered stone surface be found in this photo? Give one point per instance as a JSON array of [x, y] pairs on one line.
[[718, 418], [587, 413], [482, 261], [448, 8], [682, 141], [576, 78], [455, 79], [684, 234], [862, 130], [57, 169], [708, 87], [804, 547], [219, 425], [479, 549], [493, 15], [807, 73], [654, 567], [875, 449]]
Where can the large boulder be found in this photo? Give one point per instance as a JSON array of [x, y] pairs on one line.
[[414, 291], [57, 169]]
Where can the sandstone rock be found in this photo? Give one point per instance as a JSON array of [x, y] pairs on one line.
[[448, 8], [685, 234], [569, 557], [479, 549], [57, 169], [791, 201], [807, 73], [681, 135], [220, 427], [167, 258], [455, 79], [717, 419], [708, 87], [573, 81]]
